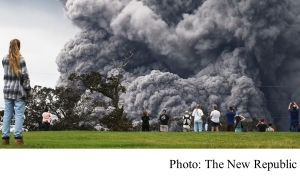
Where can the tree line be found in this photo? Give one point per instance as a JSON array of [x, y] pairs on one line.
[[75, 105], [77, 108], [78, 111]]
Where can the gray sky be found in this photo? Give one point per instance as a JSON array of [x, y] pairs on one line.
[[43, 29]]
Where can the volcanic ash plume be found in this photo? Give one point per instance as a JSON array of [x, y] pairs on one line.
[[216, 52]]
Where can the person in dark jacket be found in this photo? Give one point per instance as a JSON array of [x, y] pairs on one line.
[[230, 113], [294, 116], [145, 118], [164, 121]]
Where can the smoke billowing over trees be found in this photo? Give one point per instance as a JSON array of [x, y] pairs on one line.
[[224, 52]]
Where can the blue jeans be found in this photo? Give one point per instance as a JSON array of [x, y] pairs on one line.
[[11, 106], [294, 128], [198, 125]]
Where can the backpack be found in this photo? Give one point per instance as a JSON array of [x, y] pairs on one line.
[[242, 126], [186, 118]]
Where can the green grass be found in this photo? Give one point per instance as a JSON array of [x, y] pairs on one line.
[[157, 140]]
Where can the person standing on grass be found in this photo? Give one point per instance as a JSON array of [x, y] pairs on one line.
[[198, 122], [230, 113], [164, 121], [208, 123], [215, 119], [187, 121], [145, 118], [16, 90], [46, 120], [294, 116], [206, 126], [261, 125], [238, 122], [270, 129]]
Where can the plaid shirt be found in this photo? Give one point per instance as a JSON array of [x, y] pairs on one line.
[[15, 87]]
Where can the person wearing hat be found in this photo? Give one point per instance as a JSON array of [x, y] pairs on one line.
[[164, 121], [187, 122], [238, 123]]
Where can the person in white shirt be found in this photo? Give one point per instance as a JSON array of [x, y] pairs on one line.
[[197, 114], [215, 118]]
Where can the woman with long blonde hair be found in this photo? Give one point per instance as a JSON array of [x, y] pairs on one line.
[[16, 90], [197, 115]]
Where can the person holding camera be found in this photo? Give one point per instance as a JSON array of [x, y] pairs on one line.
[[238, 123], [145, 121], [164, 121], [261, 125], [230, 113], [294, 116]]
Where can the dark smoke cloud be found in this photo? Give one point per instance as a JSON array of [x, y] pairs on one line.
[[214, 52]]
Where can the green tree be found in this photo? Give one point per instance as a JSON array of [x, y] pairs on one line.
[[66, 103], [110, 87], [35, 106]]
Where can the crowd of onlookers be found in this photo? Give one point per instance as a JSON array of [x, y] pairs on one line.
[[234, 122]]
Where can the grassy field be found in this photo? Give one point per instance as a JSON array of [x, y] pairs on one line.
[[157, 140]]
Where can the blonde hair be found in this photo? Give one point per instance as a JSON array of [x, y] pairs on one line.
[[14, 56]]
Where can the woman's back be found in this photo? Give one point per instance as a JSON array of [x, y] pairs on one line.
[[238, 126]]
